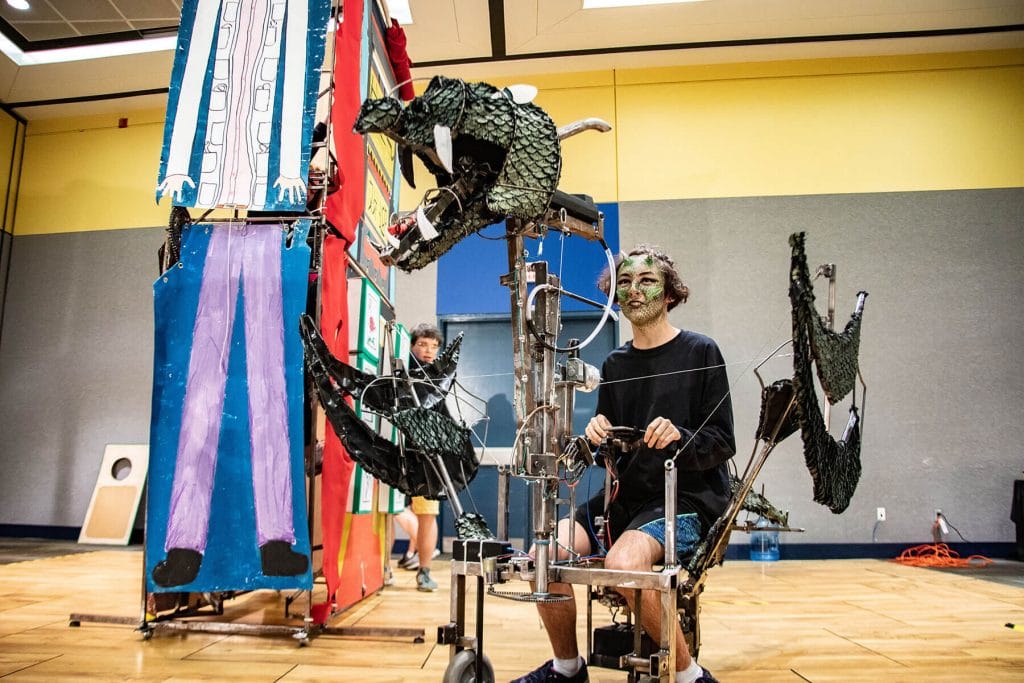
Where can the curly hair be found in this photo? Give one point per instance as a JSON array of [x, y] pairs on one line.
[[676, 292], [426, 330]]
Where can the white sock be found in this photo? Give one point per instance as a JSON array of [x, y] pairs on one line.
[[567, 667], [692, 673]]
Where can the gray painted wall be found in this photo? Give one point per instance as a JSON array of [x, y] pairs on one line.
[[940, 342], [75, 366], [944, 272], [416, 296], [6, 241]]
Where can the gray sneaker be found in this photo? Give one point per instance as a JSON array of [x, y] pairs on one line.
[[424, 582], [410, 561]]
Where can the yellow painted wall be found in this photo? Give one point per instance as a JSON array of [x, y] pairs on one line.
[[88, 174], [12, 137], [825, 126], [905, 123]]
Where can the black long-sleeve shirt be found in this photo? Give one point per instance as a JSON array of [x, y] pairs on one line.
[[684, 381]]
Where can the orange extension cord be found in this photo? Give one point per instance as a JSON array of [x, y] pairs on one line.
[[939, 555]]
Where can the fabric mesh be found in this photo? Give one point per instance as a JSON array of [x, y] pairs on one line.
[[834, 466]]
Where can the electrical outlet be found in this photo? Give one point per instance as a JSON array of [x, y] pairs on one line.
[[880, 514]]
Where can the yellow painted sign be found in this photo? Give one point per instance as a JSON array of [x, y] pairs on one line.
[[378, 209]]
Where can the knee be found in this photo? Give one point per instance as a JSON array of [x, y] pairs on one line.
[[556, 550], [616, 559]]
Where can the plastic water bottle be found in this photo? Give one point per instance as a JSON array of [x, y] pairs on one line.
[[764, 545]]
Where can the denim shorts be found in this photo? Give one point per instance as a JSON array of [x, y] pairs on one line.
[[687, 533], [647, 518]]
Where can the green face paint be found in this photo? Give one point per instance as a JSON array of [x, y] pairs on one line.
[[627, 265], [622, 295], [640, 291]]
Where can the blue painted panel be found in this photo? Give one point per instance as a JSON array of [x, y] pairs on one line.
[[485, 370], [231, 558], [467, 276]]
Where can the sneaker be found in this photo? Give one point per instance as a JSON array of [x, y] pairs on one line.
[[546, 674], [389, 578], [410, 561], [424, 582]]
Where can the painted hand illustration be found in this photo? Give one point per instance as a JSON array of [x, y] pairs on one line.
[[174, 185], [295, 188]]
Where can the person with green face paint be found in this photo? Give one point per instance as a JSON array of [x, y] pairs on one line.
[[672, 385]]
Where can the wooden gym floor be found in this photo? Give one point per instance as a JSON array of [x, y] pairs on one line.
[[829, 620]]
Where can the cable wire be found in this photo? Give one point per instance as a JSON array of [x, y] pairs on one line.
[[939, 555]]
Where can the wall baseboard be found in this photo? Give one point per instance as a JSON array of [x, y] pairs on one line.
[[878, 551], [56, 533]]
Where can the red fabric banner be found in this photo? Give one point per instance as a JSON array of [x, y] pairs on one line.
[[345, 207], [352, 549], [400, 62]]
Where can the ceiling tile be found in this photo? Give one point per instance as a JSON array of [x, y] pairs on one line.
[[74, 10], [448, 29], [144, 25], [148, 9], [44, 30], [97, 28], [37, 12]]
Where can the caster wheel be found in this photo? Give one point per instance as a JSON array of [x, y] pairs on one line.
[[462, 669], [74, 624], [418, 640]]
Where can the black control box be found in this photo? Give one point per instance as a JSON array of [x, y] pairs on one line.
[[471, 550], [615, 640]]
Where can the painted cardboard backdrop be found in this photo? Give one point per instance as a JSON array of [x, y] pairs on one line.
[[242, 99], [216, 327]]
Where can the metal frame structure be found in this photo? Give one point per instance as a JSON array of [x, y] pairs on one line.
[[543, 403], [543, 397]]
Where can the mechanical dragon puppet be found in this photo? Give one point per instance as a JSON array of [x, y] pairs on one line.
[[494, 156], [493, 153]]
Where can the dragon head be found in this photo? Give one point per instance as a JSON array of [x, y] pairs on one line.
[[379, 116]]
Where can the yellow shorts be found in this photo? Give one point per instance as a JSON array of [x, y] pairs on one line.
[[424, 506]]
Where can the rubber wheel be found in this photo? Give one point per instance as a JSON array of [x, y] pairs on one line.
[[462, 669]]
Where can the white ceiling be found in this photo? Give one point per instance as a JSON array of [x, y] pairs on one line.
[[542, 36], [56, 23]]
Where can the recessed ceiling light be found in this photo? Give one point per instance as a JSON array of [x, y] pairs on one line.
[[18, 4], [82, 52], [605, 4], [399, 9]]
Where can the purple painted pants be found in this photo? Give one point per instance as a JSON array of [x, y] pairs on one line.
[[252, 254]]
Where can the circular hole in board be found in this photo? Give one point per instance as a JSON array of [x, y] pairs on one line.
[[121, 468]]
